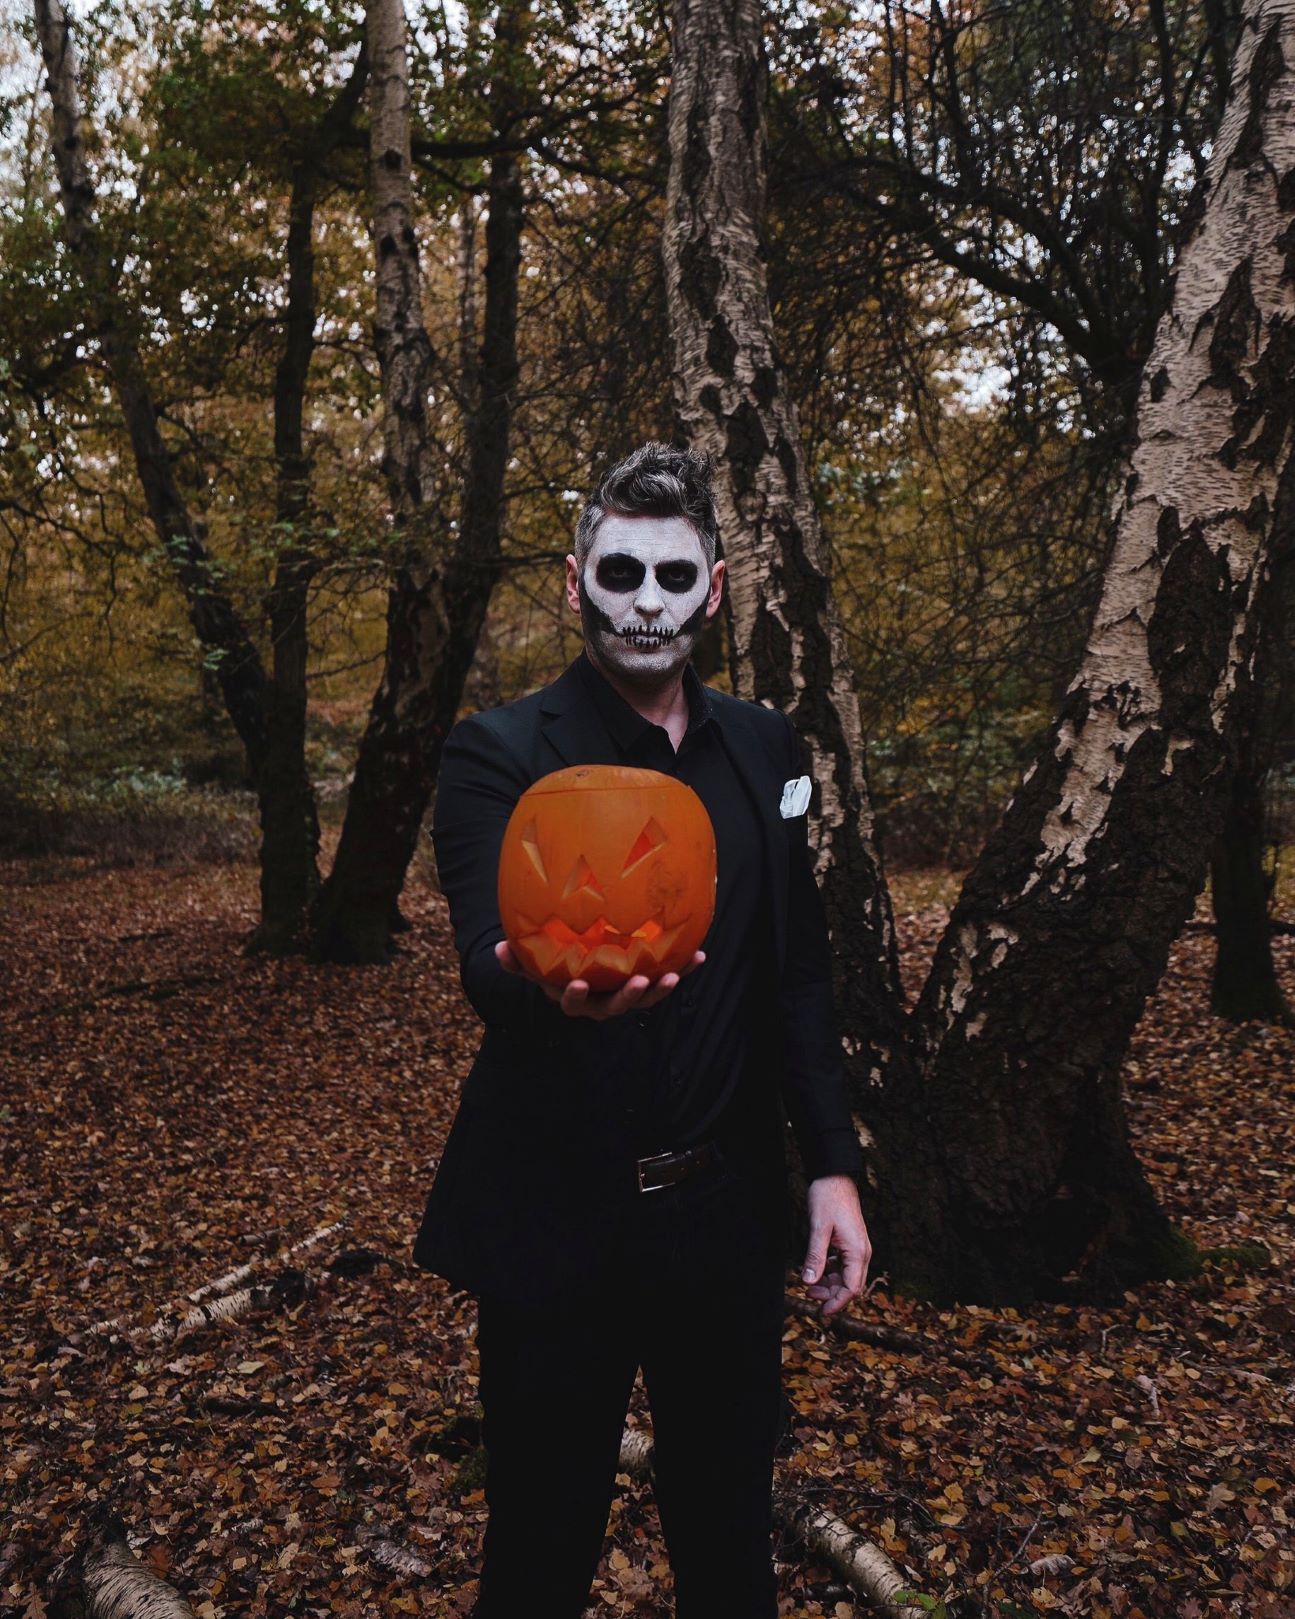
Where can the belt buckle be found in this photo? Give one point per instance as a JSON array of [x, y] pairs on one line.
[[653, 1157]]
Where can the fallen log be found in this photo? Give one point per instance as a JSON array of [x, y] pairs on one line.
[[860, 1563], [905, 1343], [105, 1580], [168, 1326]]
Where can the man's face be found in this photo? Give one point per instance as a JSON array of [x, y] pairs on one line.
[[644, 595]]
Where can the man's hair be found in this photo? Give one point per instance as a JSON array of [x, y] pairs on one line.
[[657, 480]]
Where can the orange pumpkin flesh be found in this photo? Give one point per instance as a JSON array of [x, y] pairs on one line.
[[605, 872]]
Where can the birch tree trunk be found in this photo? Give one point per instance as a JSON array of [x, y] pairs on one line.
[[438, 602], [1004, 1165], [732, 400], [1063, 928]]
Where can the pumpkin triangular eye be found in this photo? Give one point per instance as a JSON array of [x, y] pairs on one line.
[[582, 881], [648, 842], [531, 843]]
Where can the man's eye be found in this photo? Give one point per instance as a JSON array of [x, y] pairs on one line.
[[620, 573], [677, 576]]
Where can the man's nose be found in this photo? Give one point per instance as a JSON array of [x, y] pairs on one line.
[[648, 599]]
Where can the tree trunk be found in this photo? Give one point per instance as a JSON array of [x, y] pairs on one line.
[[289, 815], [268, 713], [1004, 1163], [104, 1579], [435, 608], [785, 639], [1064, 926], [226, 643], [1245, 984]]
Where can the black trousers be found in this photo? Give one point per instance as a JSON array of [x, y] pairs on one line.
[[694, 1298]]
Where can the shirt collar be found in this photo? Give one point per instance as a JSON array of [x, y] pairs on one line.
[[623, 721]]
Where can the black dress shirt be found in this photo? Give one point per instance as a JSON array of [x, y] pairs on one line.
[[690, 1062], [684, 1059]]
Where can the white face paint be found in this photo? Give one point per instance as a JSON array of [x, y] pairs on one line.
[[643, 592]]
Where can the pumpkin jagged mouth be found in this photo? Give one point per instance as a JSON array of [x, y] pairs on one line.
[[599, 932], [556, 941]]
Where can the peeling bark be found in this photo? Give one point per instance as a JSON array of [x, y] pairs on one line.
[[862, 1564], [437, 604], [731, 394], [105, 1580], [1063, 928], [1004, 1166]]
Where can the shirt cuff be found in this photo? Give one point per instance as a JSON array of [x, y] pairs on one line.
[[833, 1152]]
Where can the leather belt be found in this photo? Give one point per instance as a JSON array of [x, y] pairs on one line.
[[667, 1168]]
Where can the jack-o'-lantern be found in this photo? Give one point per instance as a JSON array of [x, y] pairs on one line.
[[606, 872]]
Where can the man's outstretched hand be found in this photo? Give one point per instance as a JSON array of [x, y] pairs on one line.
[[578, 1000], [835, 1222]]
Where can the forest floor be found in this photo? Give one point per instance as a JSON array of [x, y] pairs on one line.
[[171, 1109]]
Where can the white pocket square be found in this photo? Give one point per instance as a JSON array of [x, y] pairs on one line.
[[795, 797]]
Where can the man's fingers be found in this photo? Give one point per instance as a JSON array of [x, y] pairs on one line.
[[856, 1268], [636, 994], [698, 958], [659, 990], [838, 1298], [505, 957], [574, 997], [627, 997], [816, 1253]]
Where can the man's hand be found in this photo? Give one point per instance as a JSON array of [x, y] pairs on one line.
[[835, 1221], [578, 1000]]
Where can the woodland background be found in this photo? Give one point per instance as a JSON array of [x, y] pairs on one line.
[[970, 223]]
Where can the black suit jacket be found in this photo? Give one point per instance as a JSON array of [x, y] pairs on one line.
[[536, 1175]]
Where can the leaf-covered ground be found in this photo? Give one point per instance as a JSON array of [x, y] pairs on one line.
[[171, 1109]]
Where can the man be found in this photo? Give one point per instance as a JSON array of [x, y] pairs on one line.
[[614, 1184]]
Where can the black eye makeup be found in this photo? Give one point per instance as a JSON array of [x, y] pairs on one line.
[[676, 576], [620, 572]]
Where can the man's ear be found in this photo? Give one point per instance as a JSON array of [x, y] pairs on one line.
[[573, 584], [716, 589]]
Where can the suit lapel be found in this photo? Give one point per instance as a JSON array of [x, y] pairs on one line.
[[572, 725]]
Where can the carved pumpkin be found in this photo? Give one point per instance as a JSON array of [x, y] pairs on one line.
[[606, 872]]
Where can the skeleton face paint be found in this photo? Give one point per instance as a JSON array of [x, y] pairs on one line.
[[643, 592]]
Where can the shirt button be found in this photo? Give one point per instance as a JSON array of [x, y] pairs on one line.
[[641, 1019]]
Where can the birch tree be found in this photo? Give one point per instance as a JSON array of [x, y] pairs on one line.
[[731, 394], [1002, 1155], [437, 603]]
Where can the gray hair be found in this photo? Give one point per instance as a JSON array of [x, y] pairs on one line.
[[657, 480]]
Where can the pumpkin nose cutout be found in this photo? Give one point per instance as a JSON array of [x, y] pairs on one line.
[[648, 842], [582, 881]]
